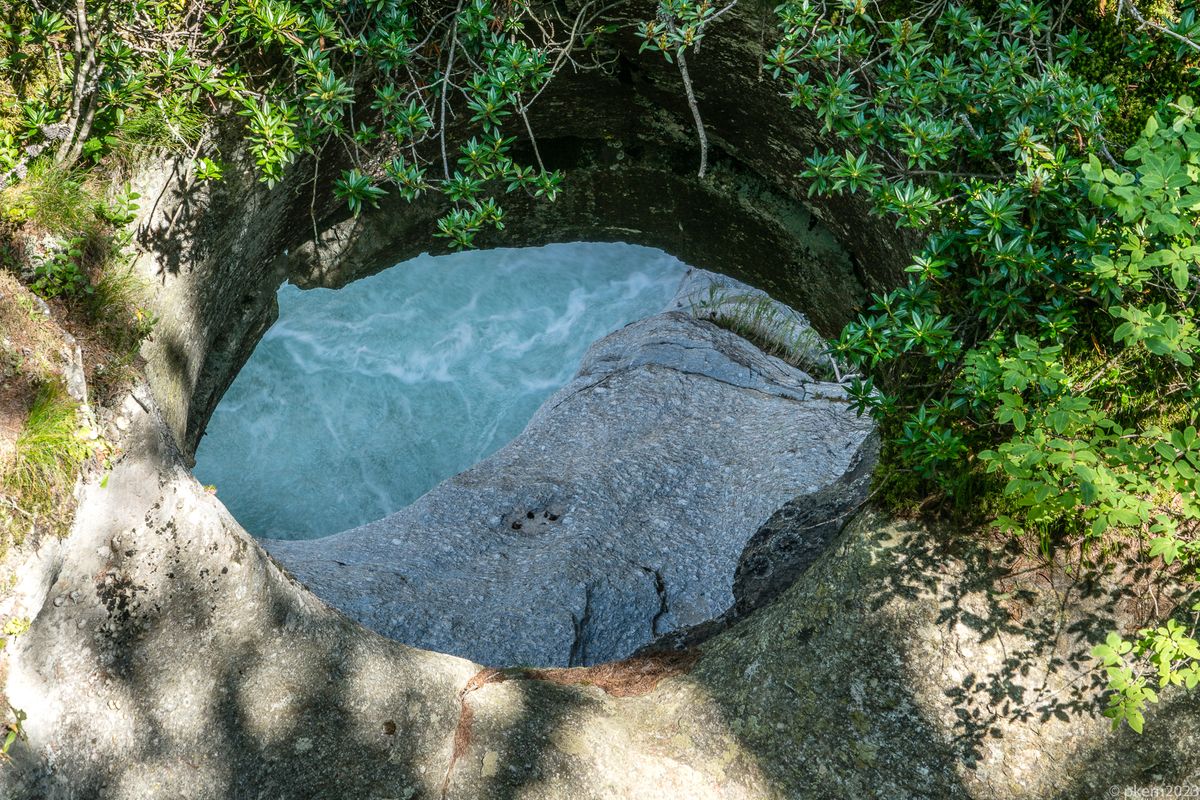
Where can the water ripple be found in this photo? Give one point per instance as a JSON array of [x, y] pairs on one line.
[[358, 401]]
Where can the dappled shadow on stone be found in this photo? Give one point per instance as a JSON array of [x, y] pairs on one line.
[[174, 654], [903, 663], [504, 742], [1017, 631], [172, 658], [1165, 764], [913, 662]]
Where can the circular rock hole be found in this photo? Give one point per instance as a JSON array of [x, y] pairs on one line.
[[616, 478]]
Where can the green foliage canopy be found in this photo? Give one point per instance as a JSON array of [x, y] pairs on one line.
[[382, 80], [1042, 355]]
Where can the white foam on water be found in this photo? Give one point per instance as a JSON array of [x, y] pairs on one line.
[[357, 401]]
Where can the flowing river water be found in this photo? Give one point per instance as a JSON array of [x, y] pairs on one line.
[[359, 400]]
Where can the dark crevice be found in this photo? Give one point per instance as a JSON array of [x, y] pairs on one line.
[[660, 586], [782, 550], [579, 647]]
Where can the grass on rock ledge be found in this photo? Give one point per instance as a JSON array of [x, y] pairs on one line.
[[46, 436]]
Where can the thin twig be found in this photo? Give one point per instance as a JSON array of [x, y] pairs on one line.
[[13, 505], [1146, 23], [446, 89], [532, 139], [691, 98]]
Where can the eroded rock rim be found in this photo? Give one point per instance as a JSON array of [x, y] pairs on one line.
[[621, 512]]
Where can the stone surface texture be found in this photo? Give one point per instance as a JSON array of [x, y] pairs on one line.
[[169, 657], [618, 515]]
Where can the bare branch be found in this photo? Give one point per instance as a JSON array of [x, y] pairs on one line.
[[86, 73], [1147, 23], [532, 139], [446, 90], [691, 98]]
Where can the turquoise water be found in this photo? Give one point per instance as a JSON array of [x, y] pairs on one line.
[[357, 401]]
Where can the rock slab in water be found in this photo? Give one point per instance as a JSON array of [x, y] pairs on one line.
[[618, 515]]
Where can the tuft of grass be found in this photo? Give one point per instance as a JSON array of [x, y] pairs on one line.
[[117, 311], [52, 197], [117, 302], [50, 451], [155, 129], [776, 344], [32, 344]]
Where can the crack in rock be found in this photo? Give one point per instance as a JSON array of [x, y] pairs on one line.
[[579, 646], [660, 586]]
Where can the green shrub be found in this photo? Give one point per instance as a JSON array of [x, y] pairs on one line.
[[1167, 655], [375, 81], [62, 273], [1040, 361]]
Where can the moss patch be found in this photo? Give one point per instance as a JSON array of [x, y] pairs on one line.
[[1141, 68]]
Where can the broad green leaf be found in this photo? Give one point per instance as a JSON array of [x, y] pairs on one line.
[[1179, 275]]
